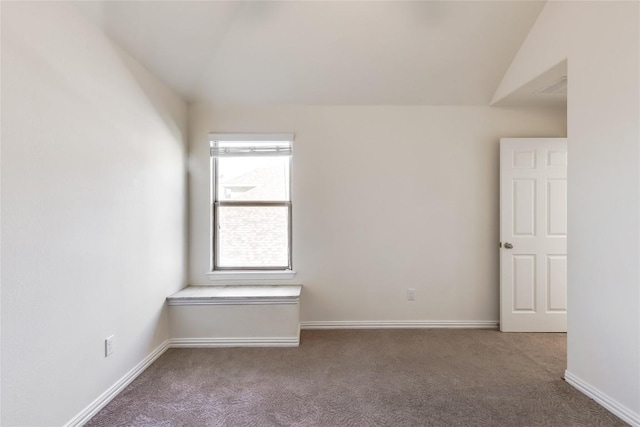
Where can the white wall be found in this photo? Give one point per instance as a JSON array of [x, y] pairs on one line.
[[385, 198], [601, 42], [93, 212]]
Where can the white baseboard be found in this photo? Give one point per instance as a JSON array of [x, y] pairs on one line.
[[234, 342], [610, 404], [400, 324], [106, 397]]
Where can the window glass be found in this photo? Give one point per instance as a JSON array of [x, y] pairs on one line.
[[253, 178], [253, 236]]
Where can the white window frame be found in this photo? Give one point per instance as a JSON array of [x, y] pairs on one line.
[[246, 273]]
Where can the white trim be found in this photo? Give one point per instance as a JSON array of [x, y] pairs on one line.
[[252, 137], [400, 324], [607, 402], [232, 301], [236, 295], [234, 342], [87, 413], [251, 275]]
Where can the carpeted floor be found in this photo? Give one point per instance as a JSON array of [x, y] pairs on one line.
[[363, 378]]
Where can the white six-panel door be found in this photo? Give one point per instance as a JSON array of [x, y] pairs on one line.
[[533, 235]]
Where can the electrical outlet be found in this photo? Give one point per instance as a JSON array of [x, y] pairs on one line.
[[108, 345], [411, 294]]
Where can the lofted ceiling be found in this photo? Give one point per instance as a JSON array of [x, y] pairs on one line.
[[322, 52]]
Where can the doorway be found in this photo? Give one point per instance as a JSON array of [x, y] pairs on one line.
[[533, 235]]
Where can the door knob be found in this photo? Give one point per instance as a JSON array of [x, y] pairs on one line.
[[508, 245]]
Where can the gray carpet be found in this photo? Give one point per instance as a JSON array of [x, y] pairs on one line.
[[363, 378]]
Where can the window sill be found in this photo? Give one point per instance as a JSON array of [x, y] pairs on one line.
[[251, 275]]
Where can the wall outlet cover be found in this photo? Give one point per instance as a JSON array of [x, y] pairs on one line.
[[108, 346]]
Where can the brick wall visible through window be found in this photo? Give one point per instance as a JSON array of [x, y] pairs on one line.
[[253, 236]]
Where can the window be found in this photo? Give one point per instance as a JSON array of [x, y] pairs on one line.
[[251, 202]]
